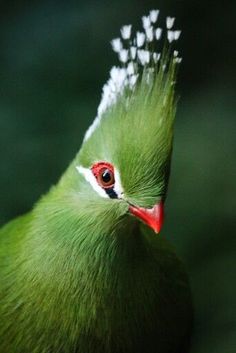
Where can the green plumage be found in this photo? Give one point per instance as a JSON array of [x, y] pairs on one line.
[[79, 273]]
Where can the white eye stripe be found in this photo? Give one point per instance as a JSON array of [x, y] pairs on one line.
[[118, 186], [90, 178], [88, 175]]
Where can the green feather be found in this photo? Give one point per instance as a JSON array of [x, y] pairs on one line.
[[137, 138], [79, 273]]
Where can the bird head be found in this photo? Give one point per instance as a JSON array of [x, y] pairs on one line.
[[124, 161]]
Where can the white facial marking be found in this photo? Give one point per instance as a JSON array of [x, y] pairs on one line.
[[118, 186], [88, 175], [90, 178]]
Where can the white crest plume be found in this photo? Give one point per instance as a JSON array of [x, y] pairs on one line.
[[137, 52], [126, 31]]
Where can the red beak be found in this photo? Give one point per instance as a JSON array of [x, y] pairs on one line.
[[153, 217]]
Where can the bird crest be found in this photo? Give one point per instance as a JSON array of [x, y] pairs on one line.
[[145, 57]]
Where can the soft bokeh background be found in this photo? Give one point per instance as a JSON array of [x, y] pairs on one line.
[[54, 59]]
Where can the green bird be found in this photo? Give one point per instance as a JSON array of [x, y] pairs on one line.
[[85, 271]]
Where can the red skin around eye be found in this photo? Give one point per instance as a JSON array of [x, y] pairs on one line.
[[97, 167]]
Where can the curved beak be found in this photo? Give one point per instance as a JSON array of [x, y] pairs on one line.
[[153, 217]]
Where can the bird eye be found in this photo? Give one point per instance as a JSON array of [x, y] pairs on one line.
[[104, 173], [106, 178]]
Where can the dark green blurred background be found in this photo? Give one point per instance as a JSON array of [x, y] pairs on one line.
[[55, 57]]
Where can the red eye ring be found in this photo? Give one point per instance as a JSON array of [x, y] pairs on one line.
[[104, 173]]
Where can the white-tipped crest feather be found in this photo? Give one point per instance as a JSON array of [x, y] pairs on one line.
[[135, 52]]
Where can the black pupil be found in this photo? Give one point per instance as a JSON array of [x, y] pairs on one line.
[[106, 176]]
